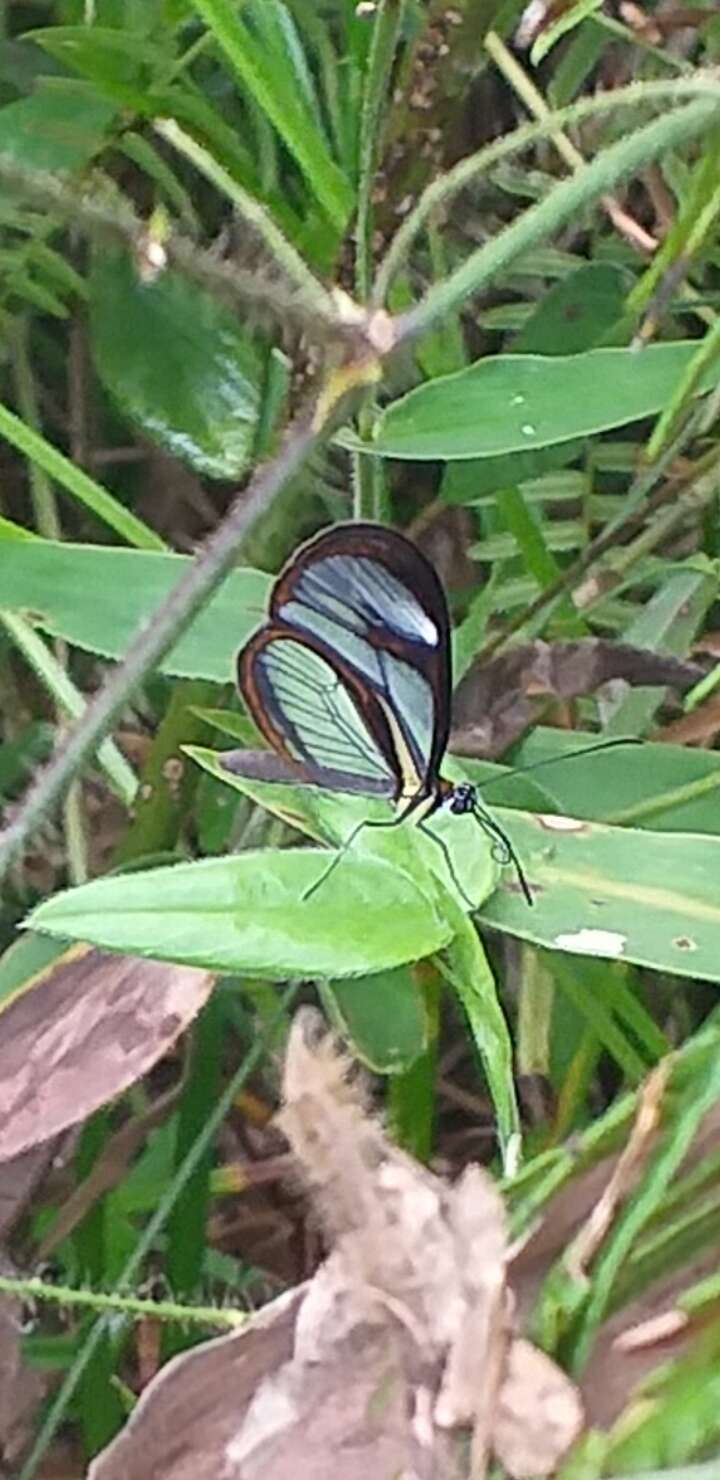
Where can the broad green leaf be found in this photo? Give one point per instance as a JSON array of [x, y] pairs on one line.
[[96, 598], [248, 914], [468, 970], [508, 403], [324, 815], [177, 363], [382, 1015], [651, 898], [673, 788], [60, 127], [335, 817], [576, 313]]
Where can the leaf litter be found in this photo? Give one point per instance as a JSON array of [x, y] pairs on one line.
[[400, 1357]]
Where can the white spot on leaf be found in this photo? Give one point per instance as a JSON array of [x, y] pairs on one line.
[[560, 824], [588, 942]]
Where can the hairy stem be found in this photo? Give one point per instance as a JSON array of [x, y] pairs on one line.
[[157, 635]]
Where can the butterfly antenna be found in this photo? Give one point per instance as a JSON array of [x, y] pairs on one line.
[[569, 755], [502, 850]]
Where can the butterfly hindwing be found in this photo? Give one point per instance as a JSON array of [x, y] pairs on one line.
[[312, 717]]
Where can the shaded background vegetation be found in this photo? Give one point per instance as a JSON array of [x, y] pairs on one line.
[[158, 334]]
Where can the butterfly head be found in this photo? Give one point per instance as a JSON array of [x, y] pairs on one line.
[[463, 798]]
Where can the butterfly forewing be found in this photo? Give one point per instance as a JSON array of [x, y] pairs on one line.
[[366, 597]]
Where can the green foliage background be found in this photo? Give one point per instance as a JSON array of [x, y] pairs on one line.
[[213, 215]]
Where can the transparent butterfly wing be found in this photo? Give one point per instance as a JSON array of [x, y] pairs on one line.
[[307, 712]]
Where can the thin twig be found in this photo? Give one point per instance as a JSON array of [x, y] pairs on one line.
[[437, 198], [536, 105]]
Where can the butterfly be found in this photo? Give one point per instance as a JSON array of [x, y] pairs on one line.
[[349, 681]]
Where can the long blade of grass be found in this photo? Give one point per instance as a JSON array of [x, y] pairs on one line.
[[78, 483]]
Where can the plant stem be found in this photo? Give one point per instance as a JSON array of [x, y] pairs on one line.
[[438, 195], [593, 179], [387, 23], [106, 215], [34, 1288], [282, 255], [157, 634]]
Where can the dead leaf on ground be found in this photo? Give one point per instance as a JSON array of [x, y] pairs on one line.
[[496, 703], [187, 1417], [399, 1357], [81, 1031]]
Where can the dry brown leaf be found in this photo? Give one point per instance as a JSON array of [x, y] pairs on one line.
[[700, 727], [496, 703], [187, 1416], [393, 1360], [80, 1032], [539, 1414]]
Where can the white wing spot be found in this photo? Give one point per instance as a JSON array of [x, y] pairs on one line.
[[416, 621], [587, 942]]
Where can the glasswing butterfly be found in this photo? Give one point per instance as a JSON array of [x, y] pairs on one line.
[[349, 681]]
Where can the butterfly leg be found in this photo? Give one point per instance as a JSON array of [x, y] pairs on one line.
[[448, 861], [340, 852]]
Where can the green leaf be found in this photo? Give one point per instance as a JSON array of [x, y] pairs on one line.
[[96, 598], [673, 788], [651, 898], [177, 363], [508, 403], [333, 817], [61, 127], [115, 59], [472, 479], [576, 313], [469, 972], [77, 482], [248, 914], [382, 1015], [275, 90]]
